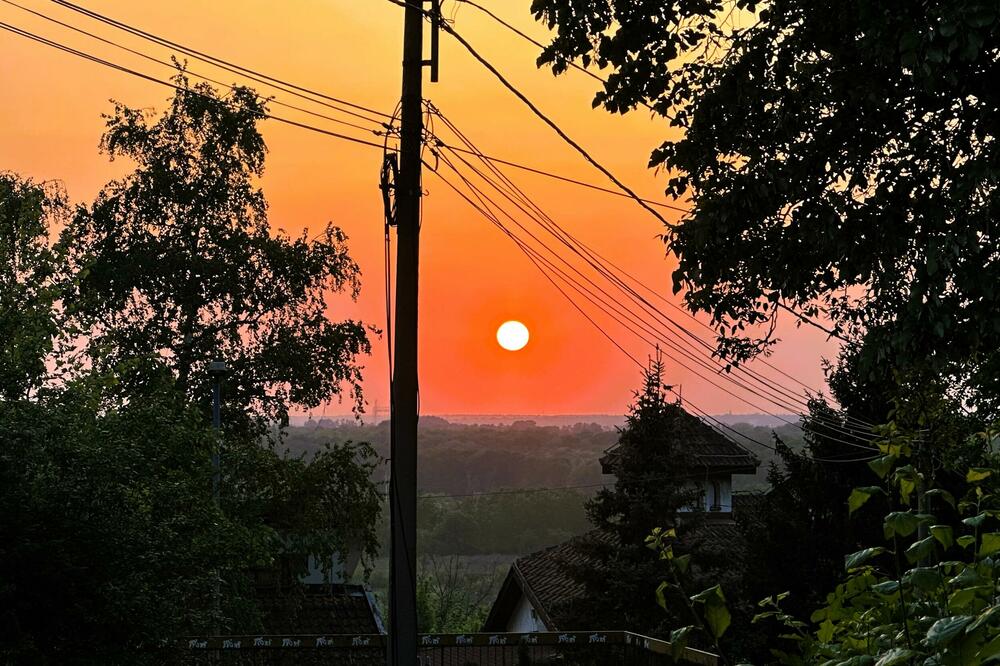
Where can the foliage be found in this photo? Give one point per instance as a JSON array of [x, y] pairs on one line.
[[707, 609], [177, 261], [323, 504], [929, 594], [654, 480], [450, 599], [111, 541], [504, 523], [840, 159], [28, 281]]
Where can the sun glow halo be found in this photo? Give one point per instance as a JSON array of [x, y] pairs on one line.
[[512, 335]]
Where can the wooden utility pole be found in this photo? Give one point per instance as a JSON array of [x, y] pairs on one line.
[[403, 415]]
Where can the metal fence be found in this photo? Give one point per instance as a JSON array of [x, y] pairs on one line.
[[602, 648]]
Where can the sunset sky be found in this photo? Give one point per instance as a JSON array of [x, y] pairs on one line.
[[472, 278]]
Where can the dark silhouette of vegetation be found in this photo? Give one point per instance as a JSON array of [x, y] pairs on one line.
[[840, 161], [177, 262], [112, 543]]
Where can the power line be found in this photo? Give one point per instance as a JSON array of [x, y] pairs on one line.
[[252, 74], [153, 79], [567, 179], [562, 235], [291, 88], [571, 63], [544, 118], [527, 251], [171, 65]]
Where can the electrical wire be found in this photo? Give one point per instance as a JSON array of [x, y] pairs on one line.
[[570, 63], [174, 66], [771, 389], [126, 70], [601, 329], [563, 235], [229, 66]]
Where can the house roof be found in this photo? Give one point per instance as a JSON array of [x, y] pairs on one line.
[[544, 576], [319, 609], [708, 448]]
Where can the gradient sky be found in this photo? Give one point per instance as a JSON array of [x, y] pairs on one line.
[[472, 278]]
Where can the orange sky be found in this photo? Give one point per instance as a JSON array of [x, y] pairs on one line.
[[472, 278]]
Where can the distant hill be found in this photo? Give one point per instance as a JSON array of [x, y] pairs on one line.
[[517, 451]]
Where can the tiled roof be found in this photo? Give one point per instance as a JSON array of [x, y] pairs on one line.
[[319, 609], [544, 578]]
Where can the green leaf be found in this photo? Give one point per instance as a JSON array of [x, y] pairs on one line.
[[959, 600], [886, 587], [661, 598], [682, 562], [943, 534], [924, 578], [900, 523], [984, 618], [990, 544], [718, 618], [825, 632], [897, 656], [977, 474], [920, 549], [859, 496], [943, 494], [855, 560], [715, 612], [977, 520], [679, 641], [882, 465], [991, 649], [965, 540], [946, 629]]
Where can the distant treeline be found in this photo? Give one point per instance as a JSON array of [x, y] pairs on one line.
[[460, 458]]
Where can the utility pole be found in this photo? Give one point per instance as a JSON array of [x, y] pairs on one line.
[[403, 411]]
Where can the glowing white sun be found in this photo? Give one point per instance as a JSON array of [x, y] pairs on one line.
[[512, 335]]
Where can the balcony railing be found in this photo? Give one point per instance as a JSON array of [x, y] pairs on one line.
[[600, 648]]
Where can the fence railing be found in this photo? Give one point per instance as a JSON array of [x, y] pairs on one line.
[[601, 648]]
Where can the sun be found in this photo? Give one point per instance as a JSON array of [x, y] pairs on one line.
[[512, 335]]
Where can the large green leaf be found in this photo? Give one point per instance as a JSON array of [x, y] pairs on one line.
[[943, 494], [897, 656], [857, 559], [924, 578], [977, 520], [679, 641], [900, 523], [920, 549], [715, 612], [946, 629], [882, 465], [859, 496], [718, 618], [984, 618], [825, 632], [990, 544], [977, 474], [943, 534]]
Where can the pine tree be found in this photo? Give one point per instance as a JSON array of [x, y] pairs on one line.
[[619, 574]]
